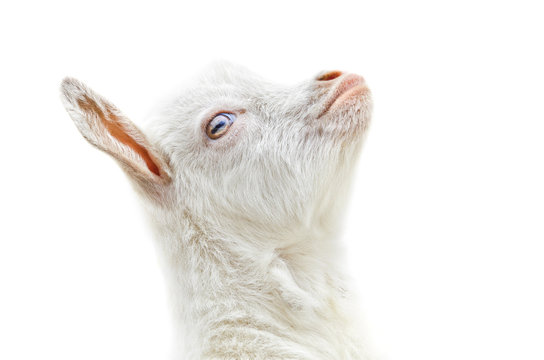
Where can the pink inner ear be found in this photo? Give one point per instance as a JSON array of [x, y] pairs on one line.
[[117, 132], [112, 124]]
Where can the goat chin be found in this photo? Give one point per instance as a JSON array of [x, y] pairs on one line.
[[245, 182]]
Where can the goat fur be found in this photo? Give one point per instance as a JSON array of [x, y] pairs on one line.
[[246, 224]]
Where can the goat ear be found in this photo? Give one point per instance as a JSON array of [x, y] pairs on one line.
[[105, 127]]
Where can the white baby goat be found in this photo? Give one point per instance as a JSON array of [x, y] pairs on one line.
[[245, 182]]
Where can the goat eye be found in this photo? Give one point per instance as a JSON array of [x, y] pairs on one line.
[[219, 125]]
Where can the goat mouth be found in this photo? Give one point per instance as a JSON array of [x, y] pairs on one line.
[[352, 85]]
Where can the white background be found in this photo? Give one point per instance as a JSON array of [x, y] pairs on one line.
[[445, 230]]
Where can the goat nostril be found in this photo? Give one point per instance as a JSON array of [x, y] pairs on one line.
[[329, 75]]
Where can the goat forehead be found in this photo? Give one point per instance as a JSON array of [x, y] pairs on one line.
[[217, 92], [227, 87], [222, 84], [256, 97]]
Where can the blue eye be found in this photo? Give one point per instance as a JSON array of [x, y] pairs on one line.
[[219, 125]]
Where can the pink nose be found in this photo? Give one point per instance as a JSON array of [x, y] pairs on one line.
[[330, 75]]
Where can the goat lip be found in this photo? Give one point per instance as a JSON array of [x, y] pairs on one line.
[[351, 83]]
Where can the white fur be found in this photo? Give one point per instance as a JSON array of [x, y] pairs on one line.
[[247, 224]]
